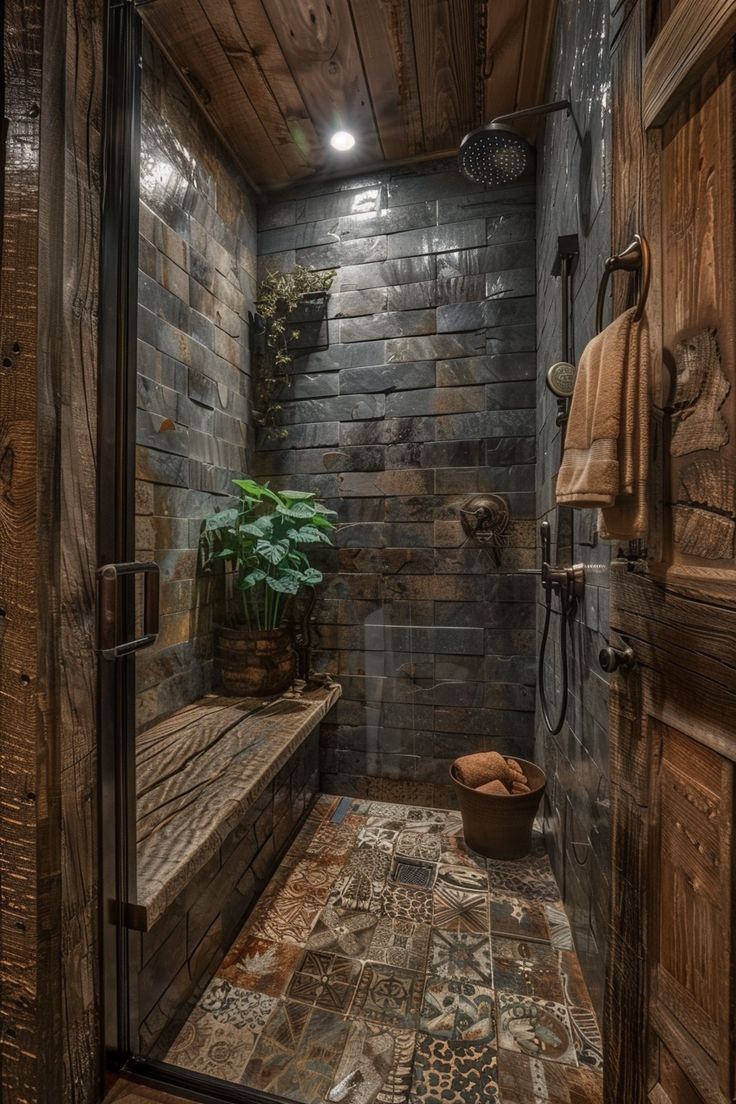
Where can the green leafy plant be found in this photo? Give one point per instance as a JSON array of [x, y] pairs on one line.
[[279, 295], [261, 541]]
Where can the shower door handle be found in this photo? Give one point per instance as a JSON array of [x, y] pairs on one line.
[[109, 608]]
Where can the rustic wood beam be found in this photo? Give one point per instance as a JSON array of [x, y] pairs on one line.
[[693, 35]]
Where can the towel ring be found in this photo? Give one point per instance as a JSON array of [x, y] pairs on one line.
[[635, 258]]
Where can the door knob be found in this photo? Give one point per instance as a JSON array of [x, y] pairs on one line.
[[614, 659]]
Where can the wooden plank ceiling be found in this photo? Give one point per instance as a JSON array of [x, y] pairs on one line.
[[407, 77]]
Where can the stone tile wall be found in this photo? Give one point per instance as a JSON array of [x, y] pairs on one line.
[[577, 760], [197, 258], [176, 959], [414, 393]]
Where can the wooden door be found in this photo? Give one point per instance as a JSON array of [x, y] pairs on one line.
[[671, 1000]]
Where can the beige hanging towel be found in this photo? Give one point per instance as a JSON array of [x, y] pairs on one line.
[[605, 459]]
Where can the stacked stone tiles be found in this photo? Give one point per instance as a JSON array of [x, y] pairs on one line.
[[413, 392], [197, 260], [576, 761]]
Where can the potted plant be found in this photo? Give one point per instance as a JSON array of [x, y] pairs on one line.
[[261, 542]]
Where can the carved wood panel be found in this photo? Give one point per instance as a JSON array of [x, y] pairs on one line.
[[691, 849]]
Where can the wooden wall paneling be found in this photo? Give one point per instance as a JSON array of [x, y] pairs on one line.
[[28, 783], [446, 48], [691, 823], [624, 1041], [281, 110], [77, 561], [691, 37], [505, 27], [698, 288], [210, 75], [321, 49], [539, 32], [386, 36]]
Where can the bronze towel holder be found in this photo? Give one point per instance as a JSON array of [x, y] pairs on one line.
[[635, 258]]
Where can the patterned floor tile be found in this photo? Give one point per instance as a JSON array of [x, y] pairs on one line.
[[240, 1007], [536, 1028], [456, 1009], [388, 809], [417, 815], [454, 852], [407, 903], [287, 918], [529, 878], [453, 1072], [531, 1081], [322, 993], [460, 909], [462, 877], [388, 995], [343, 932], [260, 964], [525, 966], [461, 955], [375, 836], [559, 927], [212, 1047], [517, 918], [585, 1030], [400, 942], [298, 1053], [413, 872], [418, 843], [376, 1065], [325, 980]]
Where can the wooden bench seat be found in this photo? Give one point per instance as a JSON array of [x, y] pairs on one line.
[[199, 771]]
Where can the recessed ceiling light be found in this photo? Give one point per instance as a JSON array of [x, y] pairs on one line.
[[342, 140]]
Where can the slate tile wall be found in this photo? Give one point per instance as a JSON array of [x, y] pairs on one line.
[[417, 392], [197, 272], [577, 806]]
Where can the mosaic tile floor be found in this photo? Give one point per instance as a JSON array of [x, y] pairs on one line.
[[386, 962]]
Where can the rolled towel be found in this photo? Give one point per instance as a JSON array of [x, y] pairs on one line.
[[519, 788], [485, 766], [496, 787], [516, 774]]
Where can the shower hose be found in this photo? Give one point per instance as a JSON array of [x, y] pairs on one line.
[[554, 724]]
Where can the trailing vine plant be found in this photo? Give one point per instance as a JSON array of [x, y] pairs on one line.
[[279, 295]]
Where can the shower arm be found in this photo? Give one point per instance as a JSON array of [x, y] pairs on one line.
[[541, 109]]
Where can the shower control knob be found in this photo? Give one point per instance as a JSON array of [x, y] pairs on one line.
[[615, 659]]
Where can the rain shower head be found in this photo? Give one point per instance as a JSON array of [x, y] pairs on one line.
[[497, 153]]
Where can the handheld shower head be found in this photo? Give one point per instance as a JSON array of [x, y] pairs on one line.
[[495, 154], [498, 154]]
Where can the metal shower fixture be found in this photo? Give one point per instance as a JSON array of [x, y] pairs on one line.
[[497, 154]]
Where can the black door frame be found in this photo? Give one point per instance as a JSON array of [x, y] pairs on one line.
[[116, 544]]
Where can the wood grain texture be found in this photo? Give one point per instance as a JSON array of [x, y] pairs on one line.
[[321, 50], [48, 339], [408, 77], [668, 1030], [503, 57], [27, 790], [445, 48], [389, 59], [692, 35], [76, 402], [198, 773]]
